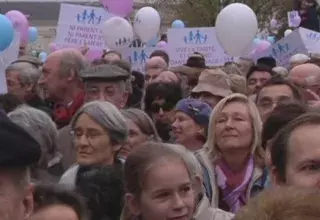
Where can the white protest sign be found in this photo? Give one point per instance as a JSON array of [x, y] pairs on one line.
[[291, 18], [6, 58], [285, 48], [138, 57], [311, 40], [79, 25], [185, 41]]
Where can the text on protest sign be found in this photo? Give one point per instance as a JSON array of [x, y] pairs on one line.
[[185, 41], [79, 25]]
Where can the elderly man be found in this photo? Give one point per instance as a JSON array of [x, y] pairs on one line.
[[104, 82], [18, 152], [154, 66], [111, 56], [22, 80], [107, 82], [298, 59], [61, 81]]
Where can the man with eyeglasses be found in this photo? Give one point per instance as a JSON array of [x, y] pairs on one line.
[[107, 82], [276, 91]]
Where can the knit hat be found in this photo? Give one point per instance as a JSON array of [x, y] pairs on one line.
[[198, 110]]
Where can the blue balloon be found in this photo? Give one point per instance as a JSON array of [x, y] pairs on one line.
[[43, 56], [256, 41], [7, 32], [32, 34], [153, 42], [177, 24], [271, 39]]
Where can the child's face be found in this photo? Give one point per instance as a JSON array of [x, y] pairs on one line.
[[167, 193]]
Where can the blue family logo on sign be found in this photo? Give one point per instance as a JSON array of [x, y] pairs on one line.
[[123, 41], [313, 36], [138, 57], [280, 49], [88, 17], [196, 37]]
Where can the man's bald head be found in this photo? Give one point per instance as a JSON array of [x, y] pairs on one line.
[[167, 77], [154, 66], [70, 58], [159, 61], [299, 74]]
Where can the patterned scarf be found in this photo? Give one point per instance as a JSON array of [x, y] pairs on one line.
[[234, 197], [62, 114]]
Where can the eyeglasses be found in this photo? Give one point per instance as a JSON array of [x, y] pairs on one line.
[[167, 106], [90, 134]]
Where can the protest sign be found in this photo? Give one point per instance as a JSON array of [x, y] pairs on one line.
[[311, 40], [291, 18], [285, 48], [79, 26], [6, 58], [183, 42], [138, 57]]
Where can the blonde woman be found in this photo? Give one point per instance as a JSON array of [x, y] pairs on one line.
[[234, 151]]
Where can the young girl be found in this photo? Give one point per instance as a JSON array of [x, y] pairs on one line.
[[159, 184]]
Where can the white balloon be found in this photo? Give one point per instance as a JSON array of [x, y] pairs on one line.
[[147, 23], [117, 33], [236, 26], [287, 32]]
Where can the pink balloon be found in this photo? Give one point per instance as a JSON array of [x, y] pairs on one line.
[[53, 47], [162, 44], [94, 54], [263, 45], [118, 7], [20, 23]]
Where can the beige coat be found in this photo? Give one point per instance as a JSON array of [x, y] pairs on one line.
[[205, 212], [66, 147], [257, 174]]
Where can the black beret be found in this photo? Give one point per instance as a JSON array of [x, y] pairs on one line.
[[17, 147]]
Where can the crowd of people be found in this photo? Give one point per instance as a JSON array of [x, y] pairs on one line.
[[99, 141]]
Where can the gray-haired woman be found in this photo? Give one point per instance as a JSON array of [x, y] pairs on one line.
[[40, 126], [98, 130]]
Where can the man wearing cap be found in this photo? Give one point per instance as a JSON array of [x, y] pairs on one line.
[[213, 85], [18, 151], [106, 82]]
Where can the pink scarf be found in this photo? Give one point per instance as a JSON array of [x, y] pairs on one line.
[[234, 198]]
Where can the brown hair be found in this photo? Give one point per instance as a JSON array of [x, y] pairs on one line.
[[140, 160], [143, 121], [280, 143], [283, 204]]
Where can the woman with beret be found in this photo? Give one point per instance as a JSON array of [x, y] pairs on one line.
[[189, 127], [190, 123], [99, 130]]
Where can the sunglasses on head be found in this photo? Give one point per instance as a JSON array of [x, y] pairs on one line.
[[165, 107]]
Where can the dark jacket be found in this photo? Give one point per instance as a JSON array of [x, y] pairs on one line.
[[38, 103]]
